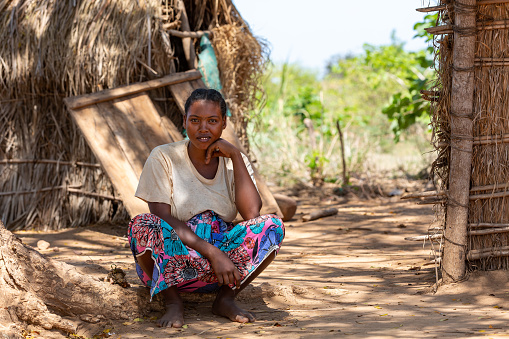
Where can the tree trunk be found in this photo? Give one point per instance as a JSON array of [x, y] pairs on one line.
[[41, 291], [462, 93]]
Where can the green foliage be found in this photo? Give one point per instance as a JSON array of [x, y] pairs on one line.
[[374, 95]]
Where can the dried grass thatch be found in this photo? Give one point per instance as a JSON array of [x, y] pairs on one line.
[[52, 49], [488, 210]]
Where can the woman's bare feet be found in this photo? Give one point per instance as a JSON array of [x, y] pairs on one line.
[[225, 306], [174, 316]]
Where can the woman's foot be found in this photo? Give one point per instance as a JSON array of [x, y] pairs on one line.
[[225, 306], [174, 316]]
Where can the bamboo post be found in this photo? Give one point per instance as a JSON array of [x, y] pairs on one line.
[[462, 92]]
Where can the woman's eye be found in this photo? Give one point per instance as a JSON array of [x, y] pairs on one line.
[[213, 120]]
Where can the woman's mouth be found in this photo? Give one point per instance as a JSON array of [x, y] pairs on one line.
[[203, 139]]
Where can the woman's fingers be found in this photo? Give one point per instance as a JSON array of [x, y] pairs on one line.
[[238, 277]]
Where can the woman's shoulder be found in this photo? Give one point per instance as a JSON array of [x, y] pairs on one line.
[[168, 150]]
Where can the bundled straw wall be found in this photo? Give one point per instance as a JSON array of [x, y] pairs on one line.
[[488, 209], [53, 49]]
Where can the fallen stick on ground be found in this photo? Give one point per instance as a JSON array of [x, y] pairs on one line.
[[320, 214]]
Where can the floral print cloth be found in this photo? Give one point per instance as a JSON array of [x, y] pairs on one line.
[[247, 244]]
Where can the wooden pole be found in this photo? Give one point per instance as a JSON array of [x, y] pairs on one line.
[[462, 93], [189, 51], [341, 140]]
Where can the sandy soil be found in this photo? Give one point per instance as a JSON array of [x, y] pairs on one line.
[[352, 274]]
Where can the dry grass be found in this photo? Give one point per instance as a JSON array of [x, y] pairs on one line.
[[52, 49]]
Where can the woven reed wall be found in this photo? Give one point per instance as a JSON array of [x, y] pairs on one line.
[[489, 206]]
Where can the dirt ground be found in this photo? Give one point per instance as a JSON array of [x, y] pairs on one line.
[[352, 274]]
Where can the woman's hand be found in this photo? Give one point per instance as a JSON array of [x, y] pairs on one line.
[[225, 270], [220, 148]]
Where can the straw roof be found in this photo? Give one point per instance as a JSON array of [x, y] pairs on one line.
[[53, 49]]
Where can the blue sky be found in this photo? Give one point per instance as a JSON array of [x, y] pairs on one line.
[[311, 32]]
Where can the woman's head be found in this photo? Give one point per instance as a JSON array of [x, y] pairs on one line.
[[208, 95]]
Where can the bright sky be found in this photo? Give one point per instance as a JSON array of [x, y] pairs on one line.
[[311, 32]]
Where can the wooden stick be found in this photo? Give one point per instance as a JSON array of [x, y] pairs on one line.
[[491, 141], [320, 214], [430, 194], [180, 34], [442, 7], [486, 224], [48, 161], [489, 187], [45, 189], [425, 237], [345, 178], [491, 2], [489, 195], [448, 29], [460, 163], [431, 202], [423, 195], [431, 9], [119, 92], [488, 252], [92, 194], [489, 231]]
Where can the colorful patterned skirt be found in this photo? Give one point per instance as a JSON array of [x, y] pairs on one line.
[[247, 244]]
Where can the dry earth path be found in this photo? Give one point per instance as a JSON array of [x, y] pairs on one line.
[[352, 275]]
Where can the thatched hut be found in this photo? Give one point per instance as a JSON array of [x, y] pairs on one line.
[[470, 120], [49, 50]]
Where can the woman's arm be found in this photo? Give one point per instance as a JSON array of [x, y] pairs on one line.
[[247, 198], [223, 267]]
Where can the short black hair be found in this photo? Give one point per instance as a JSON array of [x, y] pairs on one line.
[[206, 94]]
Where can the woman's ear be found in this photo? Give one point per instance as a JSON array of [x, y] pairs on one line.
[[224, 122]]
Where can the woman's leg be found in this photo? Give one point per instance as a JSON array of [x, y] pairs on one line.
[[266, 234], [174, 316], [146, 229], [225, 305]]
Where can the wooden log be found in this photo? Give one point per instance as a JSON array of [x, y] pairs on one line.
[[48, 161], [320, 214], [119, 92], [462, 95], [187, 43], [194, 35], [287, 205]]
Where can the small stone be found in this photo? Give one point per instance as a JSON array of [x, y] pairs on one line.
[[43, 245]]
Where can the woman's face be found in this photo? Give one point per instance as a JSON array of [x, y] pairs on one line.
[[204, 123]]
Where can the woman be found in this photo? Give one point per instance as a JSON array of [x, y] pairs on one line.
[[194, 189]]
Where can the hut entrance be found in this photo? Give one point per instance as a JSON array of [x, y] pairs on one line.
[[122, 125]]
